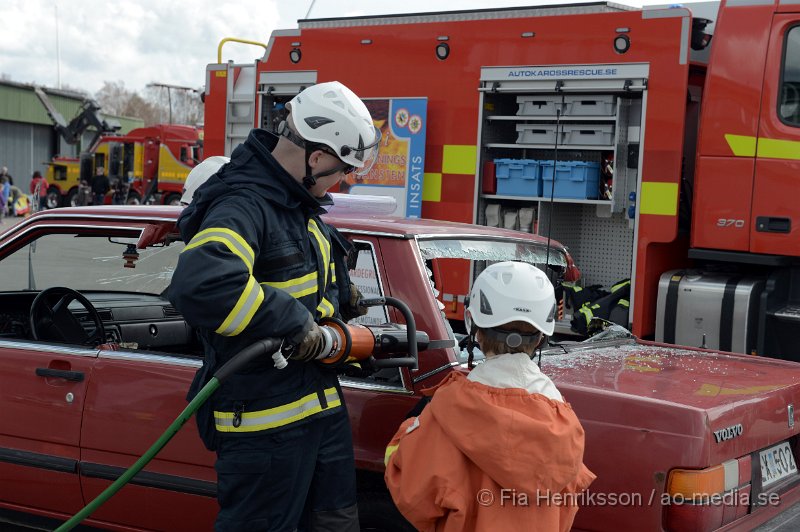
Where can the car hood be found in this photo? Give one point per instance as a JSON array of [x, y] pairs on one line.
[[699, 394]]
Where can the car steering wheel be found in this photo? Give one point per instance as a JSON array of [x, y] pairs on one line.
[[52, 320]]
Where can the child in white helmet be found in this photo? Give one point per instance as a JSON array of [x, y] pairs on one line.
[[503, 429], [510, 313]]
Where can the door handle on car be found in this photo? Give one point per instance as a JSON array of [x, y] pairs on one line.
[[76, 376]]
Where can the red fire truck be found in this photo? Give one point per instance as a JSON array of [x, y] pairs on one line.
[[652, 151]]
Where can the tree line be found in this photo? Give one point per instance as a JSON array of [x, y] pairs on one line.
[[156, 105]]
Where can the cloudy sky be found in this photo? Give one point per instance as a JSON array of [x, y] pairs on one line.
[[83, 43]]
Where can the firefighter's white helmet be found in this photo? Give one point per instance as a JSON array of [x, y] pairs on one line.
[[330, 114], [512, 291], [200, 175]]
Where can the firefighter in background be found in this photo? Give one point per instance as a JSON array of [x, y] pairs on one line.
[[200, 175], [121, 188], [259, 262], [100, 186], [503, 429]]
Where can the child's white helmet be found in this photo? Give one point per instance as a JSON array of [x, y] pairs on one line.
[[512, 291]]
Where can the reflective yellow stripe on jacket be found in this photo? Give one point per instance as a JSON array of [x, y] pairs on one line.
[[252, 295], [325, 307], [298, 287], [278, 416], [308, 284], [234, 242]]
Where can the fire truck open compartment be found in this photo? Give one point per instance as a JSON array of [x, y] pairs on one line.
[[565, 115]]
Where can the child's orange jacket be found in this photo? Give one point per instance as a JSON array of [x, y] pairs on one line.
[[485, 458]]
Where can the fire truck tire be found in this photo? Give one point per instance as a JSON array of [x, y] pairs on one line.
[[377, 512], [172, 199], [133, 198], [72, 198], [53, 198]]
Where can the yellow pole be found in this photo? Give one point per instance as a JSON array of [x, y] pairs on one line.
[[234, 39]]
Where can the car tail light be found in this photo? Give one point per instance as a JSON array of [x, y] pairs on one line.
[[696, 483], [706, 499]]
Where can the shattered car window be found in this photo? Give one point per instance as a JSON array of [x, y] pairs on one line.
[[88, 263], [444, 254], [492, 251]]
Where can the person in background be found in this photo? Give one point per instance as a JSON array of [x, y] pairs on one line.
[[259, 263], [4, 172], [200, 175], [122, 187], [14, 201], [100, 186], [504, 428], [5, 192], [84, 195], [39, 190]]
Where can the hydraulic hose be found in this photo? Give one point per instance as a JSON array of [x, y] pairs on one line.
[[243, 357]]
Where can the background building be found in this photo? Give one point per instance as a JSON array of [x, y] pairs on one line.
[[28, 140]]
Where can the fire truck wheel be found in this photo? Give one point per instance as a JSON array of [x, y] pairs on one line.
[[377, 512], [133, 198], [72, 198], [172, 199], [53, 198]]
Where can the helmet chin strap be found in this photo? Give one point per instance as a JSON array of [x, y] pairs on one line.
[[309, 180], [471, 343]]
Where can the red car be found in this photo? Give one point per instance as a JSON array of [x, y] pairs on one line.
[[679, 439]]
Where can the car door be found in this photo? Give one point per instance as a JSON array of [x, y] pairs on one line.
[[376, 402], [42, 393], [132, 398]]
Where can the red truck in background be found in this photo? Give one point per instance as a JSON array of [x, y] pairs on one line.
[[691, 145], [154, 161]]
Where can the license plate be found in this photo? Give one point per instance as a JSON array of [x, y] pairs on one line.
[[777, 463]]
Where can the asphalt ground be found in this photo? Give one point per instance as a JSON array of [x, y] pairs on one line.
[[9, 221]]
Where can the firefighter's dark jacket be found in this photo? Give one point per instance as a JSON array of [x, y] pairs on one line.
[[258, 263]]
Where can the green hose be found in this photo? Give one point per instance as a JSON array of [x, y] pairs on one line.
[[234, 364]]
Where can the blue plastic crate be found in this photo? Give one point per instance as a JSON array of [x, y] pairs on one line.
[[518, 177], [574, 179]]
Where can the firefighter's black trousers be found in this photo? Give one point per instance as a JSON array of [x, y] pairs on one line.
[[299, 478]]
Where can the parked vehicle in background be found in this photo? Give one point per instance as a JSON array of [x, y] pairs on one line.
[[152, 161], [148, 164], [680, 439], [674, 153]]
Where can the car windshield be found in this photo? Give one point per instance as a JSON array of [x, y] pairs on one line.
[[88, 263]]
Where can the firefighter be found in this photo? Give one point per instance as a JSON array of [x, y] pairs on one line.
[[489, 446], [259, 262], [200, 175]]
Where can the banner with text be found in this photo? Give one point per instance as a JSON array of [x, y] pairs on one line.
[[401, 160]]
